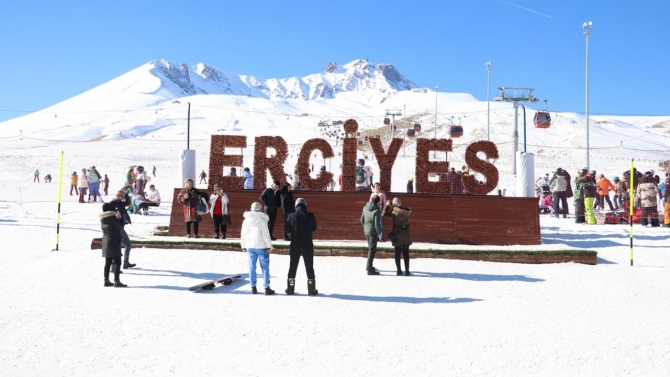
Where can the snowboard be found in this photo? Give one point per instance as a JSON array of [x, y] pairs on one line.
[[211, 284]]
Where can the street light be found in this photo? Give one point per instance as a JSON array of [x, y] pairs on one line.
[[587, 31], [488, 101], [435, 128]]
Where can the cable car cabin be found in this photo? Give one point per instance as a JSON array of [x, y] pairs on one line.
[[378, 136], [542, 119], [455, 131], [417, 127], [358, 134], [387, 121], [411, 133], [360, 142], [366, 138]]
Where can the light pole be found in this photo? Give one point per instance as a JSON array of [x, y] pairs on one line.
[[488, 101], [587, 31], [435, 152]]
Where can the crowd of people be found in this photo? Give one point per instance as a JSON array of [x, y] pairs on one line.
[[590, 191]]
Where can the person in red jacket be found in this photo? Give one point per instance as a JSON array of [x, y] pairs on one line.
[[603, 189]]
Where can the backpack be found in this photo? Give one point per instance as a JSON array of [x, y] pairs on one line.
[[360, 175]]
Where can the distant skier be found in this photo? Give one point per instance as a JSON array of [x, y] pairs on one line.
[[203, 177], [47, 178], [154, 171], [37, 176]]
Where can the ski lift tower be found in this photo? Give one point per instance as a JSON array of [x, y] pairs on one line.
[[516, 95], [393, 113]]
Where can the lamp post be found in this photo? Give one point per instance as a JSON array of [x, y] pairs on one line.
[[587, 31], [435, 127], [488, 101], [524, 128]]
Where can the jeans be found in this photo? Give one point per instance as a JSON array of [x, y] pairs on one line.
[[125, 240], [381, 227], [255, 255]]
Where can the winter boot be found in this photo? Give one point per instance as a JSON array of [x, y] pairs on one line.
[[108, 283], [254, 290], [373, 271], [118, 284], [407, 273], [223, 237], [311, 287], [290, 286], [217, 236], [127, 265], [399, 272], [269, 291]]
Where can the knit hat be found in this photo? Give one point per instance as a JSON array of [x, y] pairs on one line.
[[256, 206], [300, 201], [106, 207]]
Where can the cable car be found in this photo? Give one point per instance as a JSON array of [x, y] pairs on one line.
[[358, 134], [411, 133], [360, 142], [378, 136], [455, 131], [387, 121], [542, 119], [417, 127], [366, 138]]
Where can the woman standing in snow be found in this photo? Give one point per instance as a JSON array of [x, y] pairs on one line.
[[111, 223], [402, 236], [219, 210], [255, 240], [83, 186], [189, 196]]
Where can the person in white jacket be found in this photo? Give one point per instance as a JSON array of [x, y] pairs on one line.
[[218, 208], [255, 240]]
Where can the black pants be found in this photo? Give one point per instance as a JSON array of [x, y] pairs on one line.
[[404, 250], [649, 215], [272, 214], [76, 191], [598, 202], [195, 227], [218, 220], [144, 205], [560, 196], [607, 199], [308, 257], [580, 215], [372, 249], [116, 261]]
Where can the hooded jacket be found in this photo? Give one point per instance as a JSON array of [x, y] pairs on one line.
[[370, 220], [302, 224], [224, 204], [73, 179], [248, 181], [255, 233], [400, 217], [558, 183], [111, 234], [647, 192], [604, 186]]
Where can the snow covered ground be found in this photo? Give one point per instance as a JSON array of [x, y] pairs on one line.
[[450, 318]]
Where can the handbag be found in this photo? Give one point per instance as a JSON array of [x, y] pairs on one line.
[[226, 220], [392, 236], [201, 207]]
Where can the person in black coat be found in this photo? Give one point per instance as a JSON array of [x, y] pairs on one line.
[[287, 207], [112, 226], [302, 224], [119, 203], [271, 199]]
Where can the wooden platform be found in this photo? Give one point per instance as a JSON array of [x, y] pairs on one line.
[[442, 219]]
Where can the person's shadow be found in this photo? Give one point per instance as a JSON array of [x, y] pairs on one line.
[[402, 299], [477, 277]]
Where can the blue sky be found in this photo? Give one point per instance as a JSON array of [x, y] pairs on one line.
[[51, 51]]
